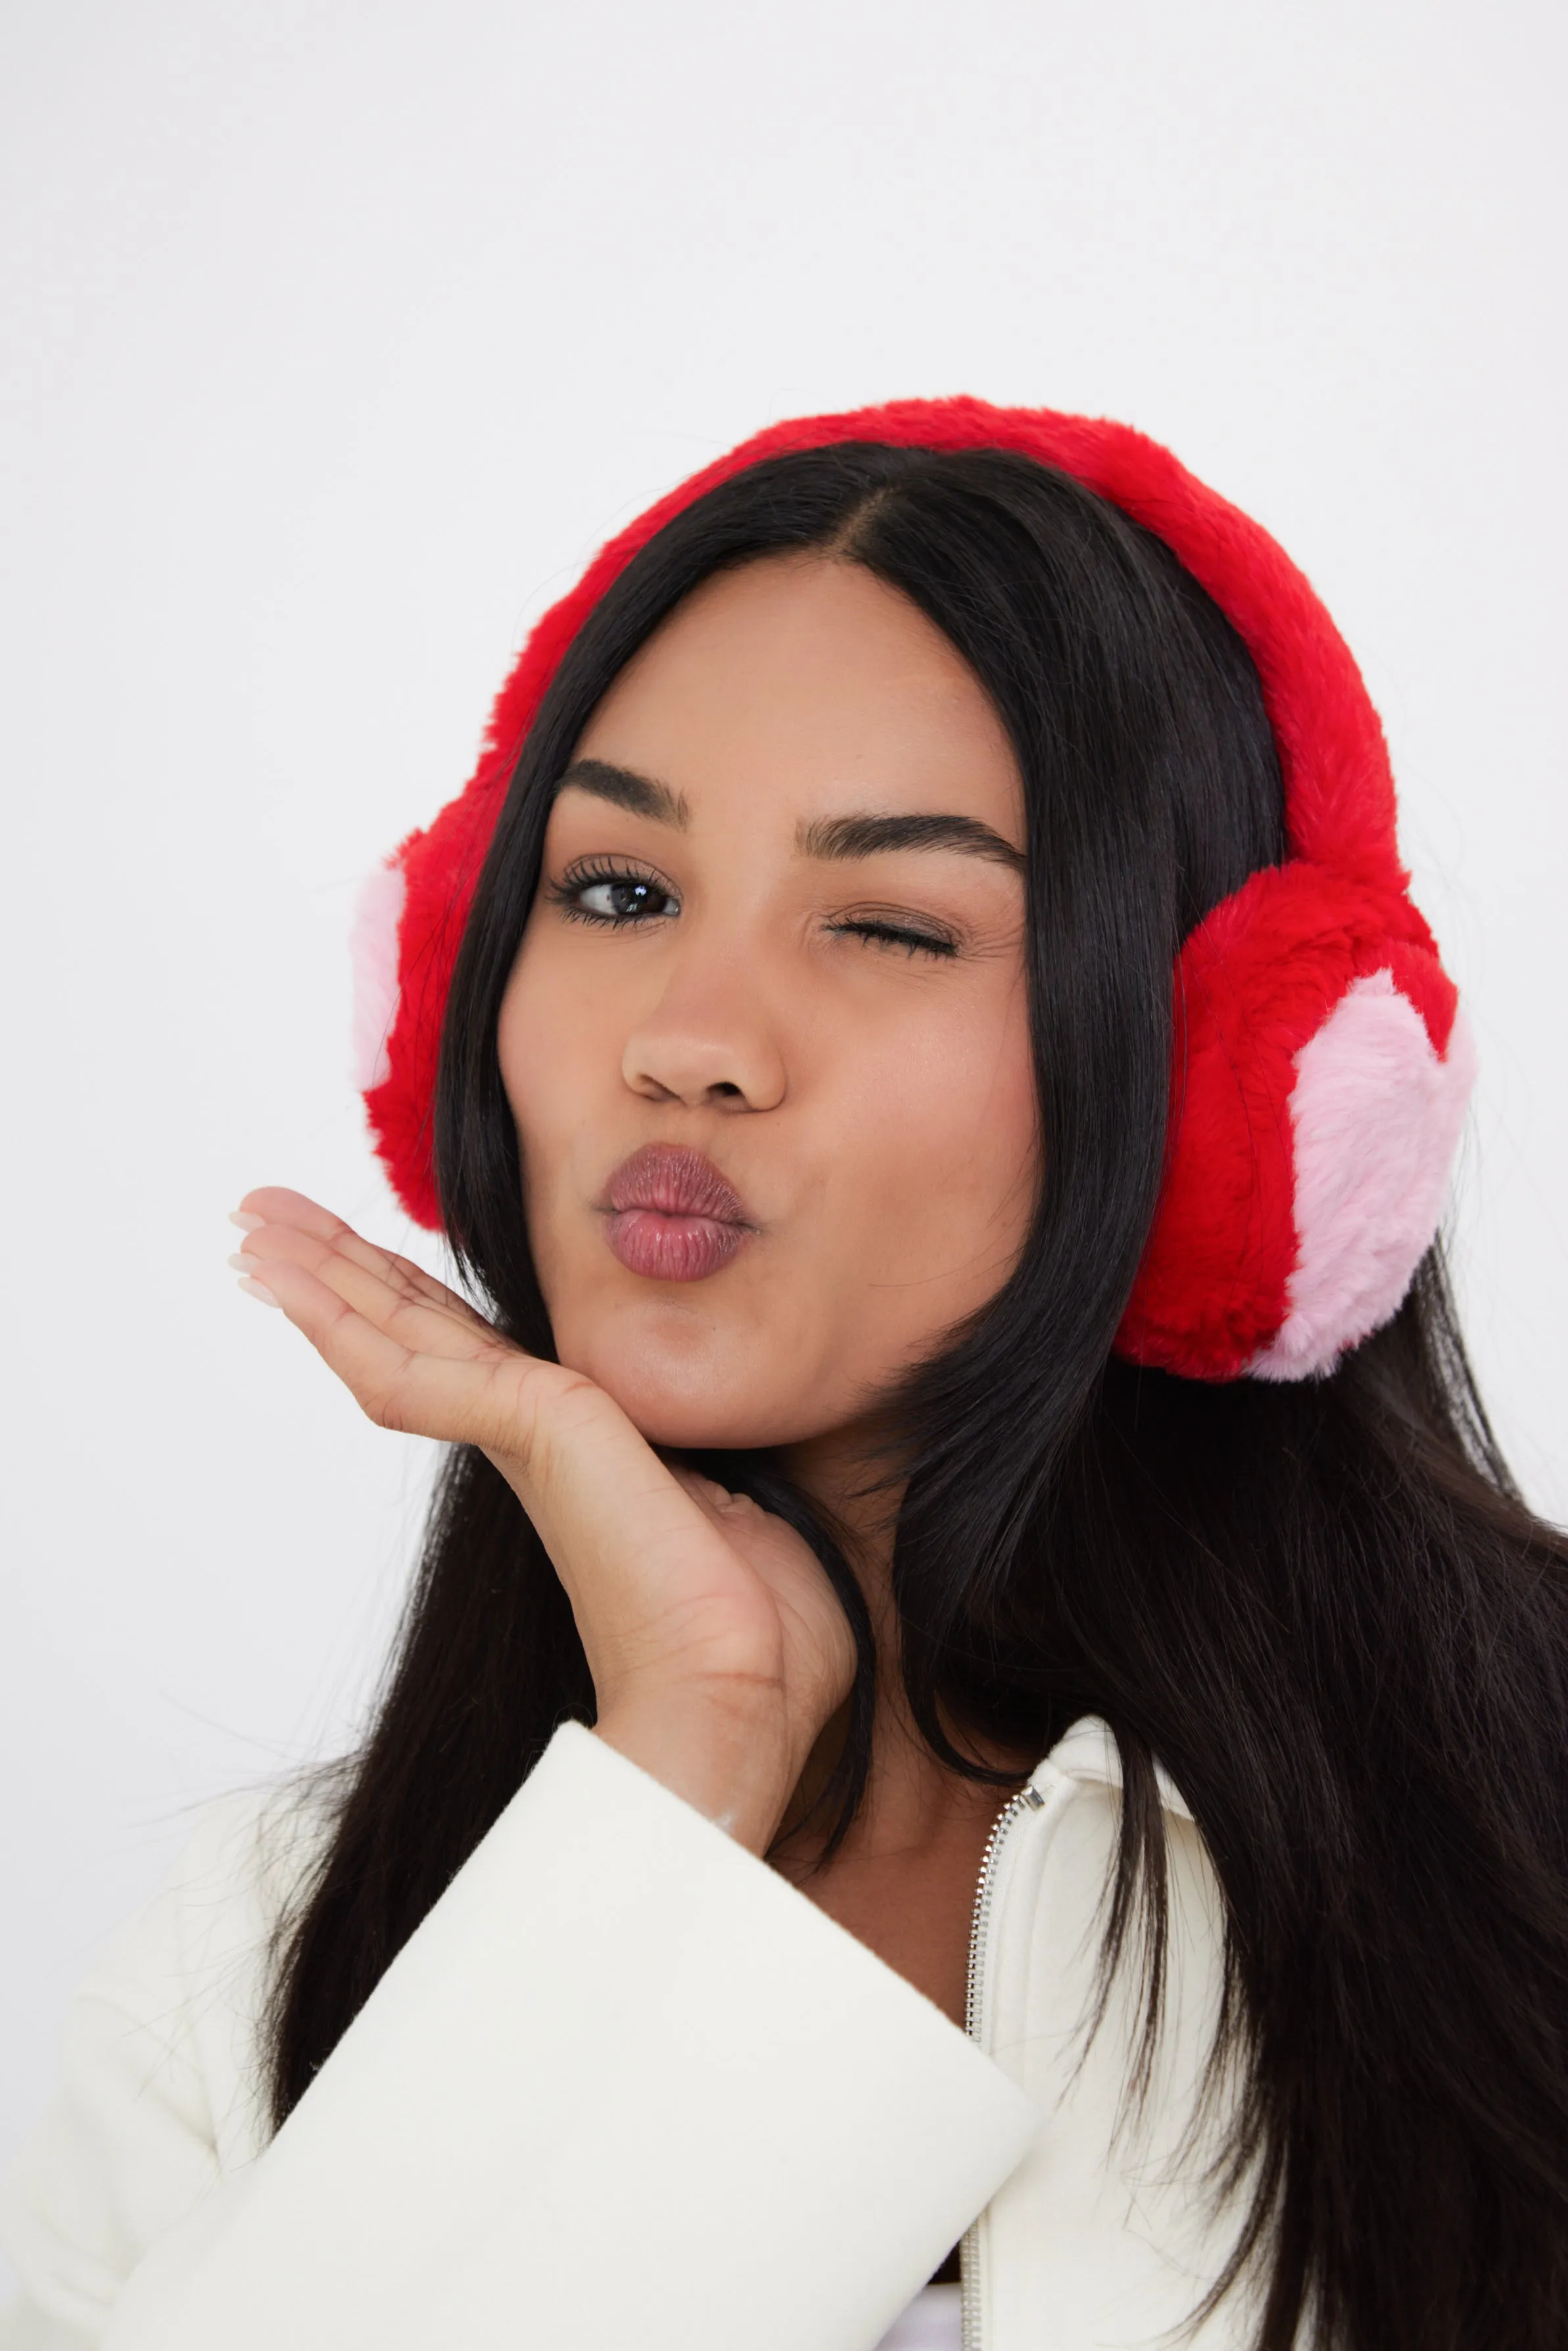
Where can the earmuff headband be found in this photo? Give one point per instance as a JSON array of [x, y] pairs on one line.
[[1321, 1075]]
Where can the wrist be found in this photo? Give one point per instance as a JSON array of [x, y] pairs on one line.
[[726, 1756]]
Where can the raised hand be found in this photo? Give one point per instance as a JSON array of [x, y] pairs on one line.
[[717, 1648]]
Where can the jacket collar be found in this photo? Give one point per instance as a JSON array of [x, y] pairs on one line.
[[1088, 1753]]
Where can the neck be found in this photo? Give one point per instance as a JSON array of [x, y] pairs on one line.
[[912, 1799], [846, 1473]]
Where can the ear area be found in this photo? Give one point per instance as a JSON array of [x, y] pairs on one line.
[[1233, 1280], [408, 911], [373, 954], [1376, 1115]]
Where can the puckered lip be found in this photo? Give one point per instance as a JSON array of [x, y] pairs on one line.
[[671, 1179]]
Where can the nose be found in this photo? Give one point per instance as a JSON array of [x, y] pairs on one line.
[[708, 1043]]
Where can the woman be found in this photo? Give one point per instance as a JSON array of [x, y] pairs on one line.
[[982, 1437]]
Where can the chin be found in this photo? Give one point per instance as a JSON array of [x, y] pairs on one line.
[[700, 1418], [696, 1428], [688, 1401]]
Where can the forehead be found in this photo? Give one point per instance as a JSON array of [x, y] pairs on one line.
[[795, 680]]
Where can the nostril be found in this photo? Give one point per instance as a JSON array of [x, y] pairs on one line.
[[724, 1087]]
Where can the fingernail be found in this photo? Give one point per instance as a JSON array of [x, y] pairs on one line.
[[244, 1264], [246, 1223], [259, 1291]]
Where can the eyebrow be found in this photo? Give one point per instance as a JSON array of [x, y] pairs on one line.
[[871, 836], [830, 837], [624, 788]]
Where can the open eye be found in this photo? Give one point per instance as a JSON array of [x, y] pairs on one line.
[[612, 893]]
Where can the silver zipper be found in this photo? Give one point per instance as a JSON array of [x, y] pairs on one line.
[[1027, 1799]]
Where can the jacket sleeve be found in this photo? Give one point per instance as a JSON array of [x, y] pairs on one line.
[[156, 2094], [624, 2085]]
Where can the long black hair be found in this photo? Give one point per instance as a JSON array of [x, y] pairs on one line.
[[1322, 1607]]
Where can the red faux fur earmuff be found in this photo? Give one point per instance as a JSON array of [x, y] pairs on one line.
[[1321, 1073]]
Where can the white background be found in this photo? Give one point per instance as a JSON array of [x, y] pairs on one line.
[[337, 336]]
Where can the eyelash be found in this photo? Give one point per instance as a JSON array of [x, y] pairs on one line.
[[898, 935], [601, 873]]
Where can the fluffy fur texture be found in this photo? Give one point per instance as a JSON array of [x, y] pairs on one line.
[[1375, 1117], [1294, 1206], [373, 953], [1256, 985]]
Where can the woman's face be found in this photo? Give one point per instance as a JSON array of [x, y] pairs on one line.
[[767, 1038]]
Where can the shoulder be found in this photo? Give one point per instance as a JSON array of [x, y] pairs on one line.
[[1058, 1890]]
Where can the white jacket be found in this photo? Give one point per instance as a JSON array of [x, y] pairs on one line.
[[626, 2089]]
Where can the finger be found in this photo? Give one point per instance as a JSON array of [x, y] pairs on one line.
[[399, 1275], [279, 1208], [397, 1296], [715, 1501], [276, 1204], [454, 1397]]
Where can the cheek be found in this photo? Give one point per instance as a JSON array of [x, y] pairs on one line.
[[947, 1151], [522, 1050], [551, 1064]]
